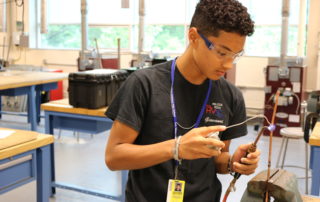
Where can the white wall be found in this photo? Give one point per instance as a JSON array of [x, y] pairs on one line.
[[313, 46], [250, 78]]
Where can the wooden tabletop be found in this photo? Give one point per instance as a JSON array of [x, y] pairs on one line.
[[315, 135], [310, 199], [39, 141], [14, 79], [64, 106]]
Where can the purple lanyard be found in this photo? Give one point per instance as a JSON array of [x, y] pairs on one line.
[[173, 105]]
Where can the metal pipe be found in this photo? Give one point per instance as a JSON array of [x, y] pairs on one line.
[[283, 70], [125, 4], [3, 17], [84, 25], [141, 29], [302, 28], [44, 28], [3, 50], [119, 49], [84, 35], [45, 62], [9, 48], [99, 56]]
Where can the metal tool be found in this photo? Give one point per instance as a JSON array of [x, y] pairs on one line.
[[282, 186], [253, 147]]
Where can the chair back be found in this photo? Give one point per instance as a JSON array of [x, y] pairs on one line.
[[310, 122]]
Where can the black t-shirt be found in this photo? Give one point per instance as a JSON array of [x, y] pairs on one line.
[[143, 103]]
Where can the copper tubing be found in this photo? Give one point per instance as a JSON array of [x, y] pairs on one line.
[[270, 144]]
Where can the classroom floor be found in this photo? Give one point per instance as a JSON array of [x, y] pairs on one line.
[[82, 163]]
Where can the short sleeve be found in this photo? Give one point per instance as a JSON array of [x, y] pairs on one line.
[[238, 115], [129, 104]]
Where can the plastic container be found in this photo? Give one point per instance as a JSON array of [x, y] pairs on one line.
[[95, 88]]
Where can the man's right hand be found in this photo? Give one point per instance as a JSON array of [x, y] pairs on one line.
[[194, 144]]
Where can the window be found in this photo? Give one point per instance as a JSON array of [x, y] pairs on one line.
[[107, 22], [168, 32], [161, 38], [266, 41], [166, 24]]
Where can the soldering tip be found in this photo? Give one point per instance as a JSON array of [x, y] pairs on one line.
[[271, 127]]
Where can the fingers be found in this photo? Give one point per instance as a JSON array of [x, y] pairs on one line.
[[204, 131], [244, 147], [213, 143], [247, 164], [199, 148], [247, 161], [255, 154], [195, 143], [244, 169]]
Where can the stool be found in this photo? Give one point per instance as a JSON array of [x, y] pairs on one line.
[[292, 133]]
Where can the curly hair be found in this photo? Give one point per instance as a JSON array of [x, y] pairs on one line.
[[212, 16]]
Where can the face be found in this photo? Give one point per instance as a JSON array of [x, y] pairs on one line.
[[214, 56]]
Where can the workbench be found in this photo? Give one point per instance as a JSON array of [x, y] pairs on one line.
[[59, 114], [310, 199], [22, 161], [30, 83], [314, 142]]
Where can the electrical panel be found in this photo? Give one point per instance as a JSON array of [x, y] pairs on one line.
[[291, 95]]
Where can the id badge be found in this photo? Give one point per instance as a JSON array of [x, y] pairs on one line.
[[175, 190]]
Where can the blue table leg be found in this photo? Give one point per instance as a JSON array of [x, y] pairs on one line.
[[32, 108], [38, 103], [53, 120], [44, 182], [124, 178], [49, 130], [315, 186], [48, 123], [0, 106]]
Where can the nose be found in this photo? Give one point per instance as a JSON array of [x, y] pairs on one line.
[[227, 64]]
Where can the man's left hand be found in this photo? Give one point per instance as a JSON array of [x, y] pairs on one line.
[[245, 165]]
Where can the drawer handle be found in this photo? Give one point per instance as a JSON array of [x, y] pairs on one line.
[[15, 162]]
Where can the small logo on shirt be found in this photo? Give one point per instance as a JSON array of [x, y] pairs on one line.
[[208, 120], [214, 113]]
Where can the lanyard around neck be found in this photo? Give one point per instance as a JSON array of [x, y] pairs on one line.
[[173, 105]]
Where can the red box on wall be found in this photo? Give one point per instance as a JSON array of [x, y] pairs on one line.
[[109, 63]]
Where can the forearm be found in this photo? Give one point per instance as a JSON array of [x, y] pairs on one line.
[[128, 156], [221, 163], [122, 154]]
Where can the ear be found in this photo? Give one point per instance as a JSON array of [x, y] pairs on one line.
[[193, 36]]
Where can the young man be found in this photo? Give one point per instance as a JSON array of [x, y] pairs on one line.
[[167, 112]]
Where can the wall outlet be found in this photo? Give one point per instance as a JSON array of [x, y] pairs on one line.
[[20, 39], [24, 40]]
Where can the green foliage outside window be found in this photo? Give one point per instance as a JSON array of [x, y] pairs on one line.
[[160, 38], [62, 37], [266, 41], [107, 37], [69, 37]]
